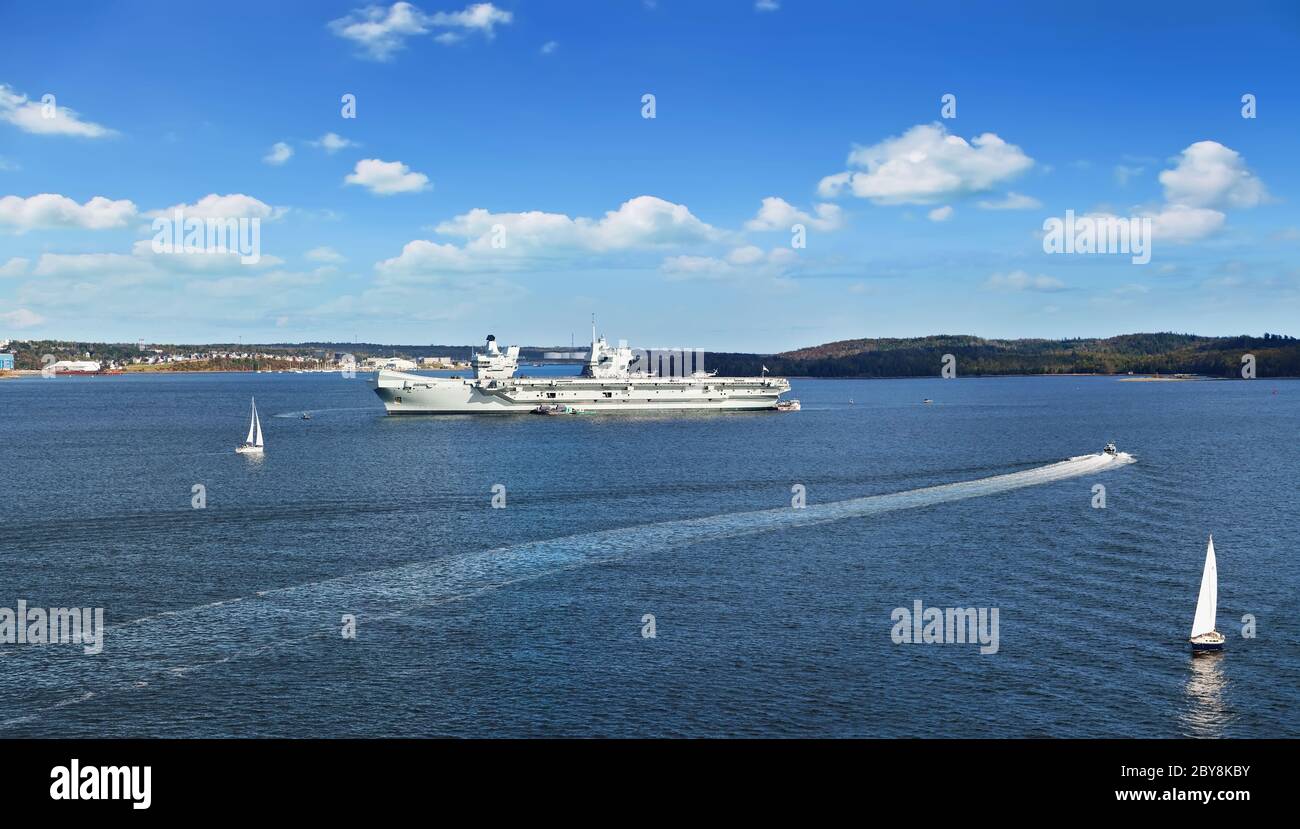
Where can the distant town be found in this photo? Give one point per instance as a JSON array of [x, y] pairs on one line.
[[65, 357]]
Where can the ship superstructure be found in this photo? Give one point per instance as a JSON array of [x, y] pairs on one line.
[[613, 379]]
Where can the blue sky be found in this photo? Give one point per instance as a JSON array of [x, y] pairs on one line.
[[527, 117]]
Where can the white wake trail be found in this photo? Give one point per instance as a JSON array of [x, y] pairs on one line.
[[176, 643]]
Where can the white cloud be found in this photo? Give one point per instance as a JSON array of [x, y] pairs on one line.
[[1180, 223], [49, 210], [940, 214], [1209, 174], [549, 47], [213, 206], [16, 266], [29, 116], [747, 255], [21, 318], [927, 165], [766, 5], [7, 166], [495, 241], [743, 262], [381, 33], [641, 222], [1133, 288], [1207, 179], [480, 17], [332, 142], [1124, 172], [280, 153], [1022, 281], [777, 214], [1012, 201], [324, 254], [143, 264], [384, 178]]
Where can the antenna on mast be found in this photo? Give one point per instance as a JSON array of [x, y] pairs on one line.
[[593, 327]]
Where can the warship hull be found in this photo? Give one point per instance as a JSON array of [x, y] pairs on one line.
[[416, 394]]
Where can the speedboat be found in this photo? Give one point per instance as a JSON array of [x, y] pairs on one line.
[[1110, 449], [787, 406]]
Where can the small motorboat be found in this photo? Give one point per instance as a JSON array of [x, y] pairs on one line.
[[787, 406], [1204, 637], [927, 401], [306, 415], [552, 409], [1110, 449]]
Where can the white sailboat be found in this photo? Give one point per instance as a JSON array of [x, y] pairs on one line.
[[1204, 636], [253, 443]]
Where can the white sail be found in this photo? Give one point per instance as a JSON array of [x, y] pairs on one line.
[[258, 422], [252, 424], [1207, 604]]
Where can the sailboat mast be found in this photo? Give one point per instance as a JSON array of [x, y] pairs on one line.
[[1207, 602], [252, 423]]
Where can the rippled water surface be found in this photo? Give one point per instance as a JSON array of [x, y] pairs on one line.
[[769, 621]]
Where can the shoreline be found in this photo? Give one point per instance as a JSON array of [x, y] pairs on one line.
[[1122, 378]]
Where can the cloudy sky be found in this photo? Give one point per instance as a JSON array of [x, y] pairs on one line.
[[500, 174]]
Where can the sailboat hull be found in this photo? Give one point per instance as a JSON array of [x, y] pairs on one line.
[[249, 450], [1207, 642]]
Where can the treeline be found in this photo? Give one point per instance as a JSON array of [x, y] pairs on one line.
[[1161, 353], [224, 364]]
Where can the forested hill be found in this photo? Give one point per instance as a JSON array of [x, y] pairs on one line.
[[1275, 356]]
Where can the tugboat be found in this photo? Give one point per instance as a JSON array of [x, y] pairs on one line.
[[1204, 637], [787, 406]]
